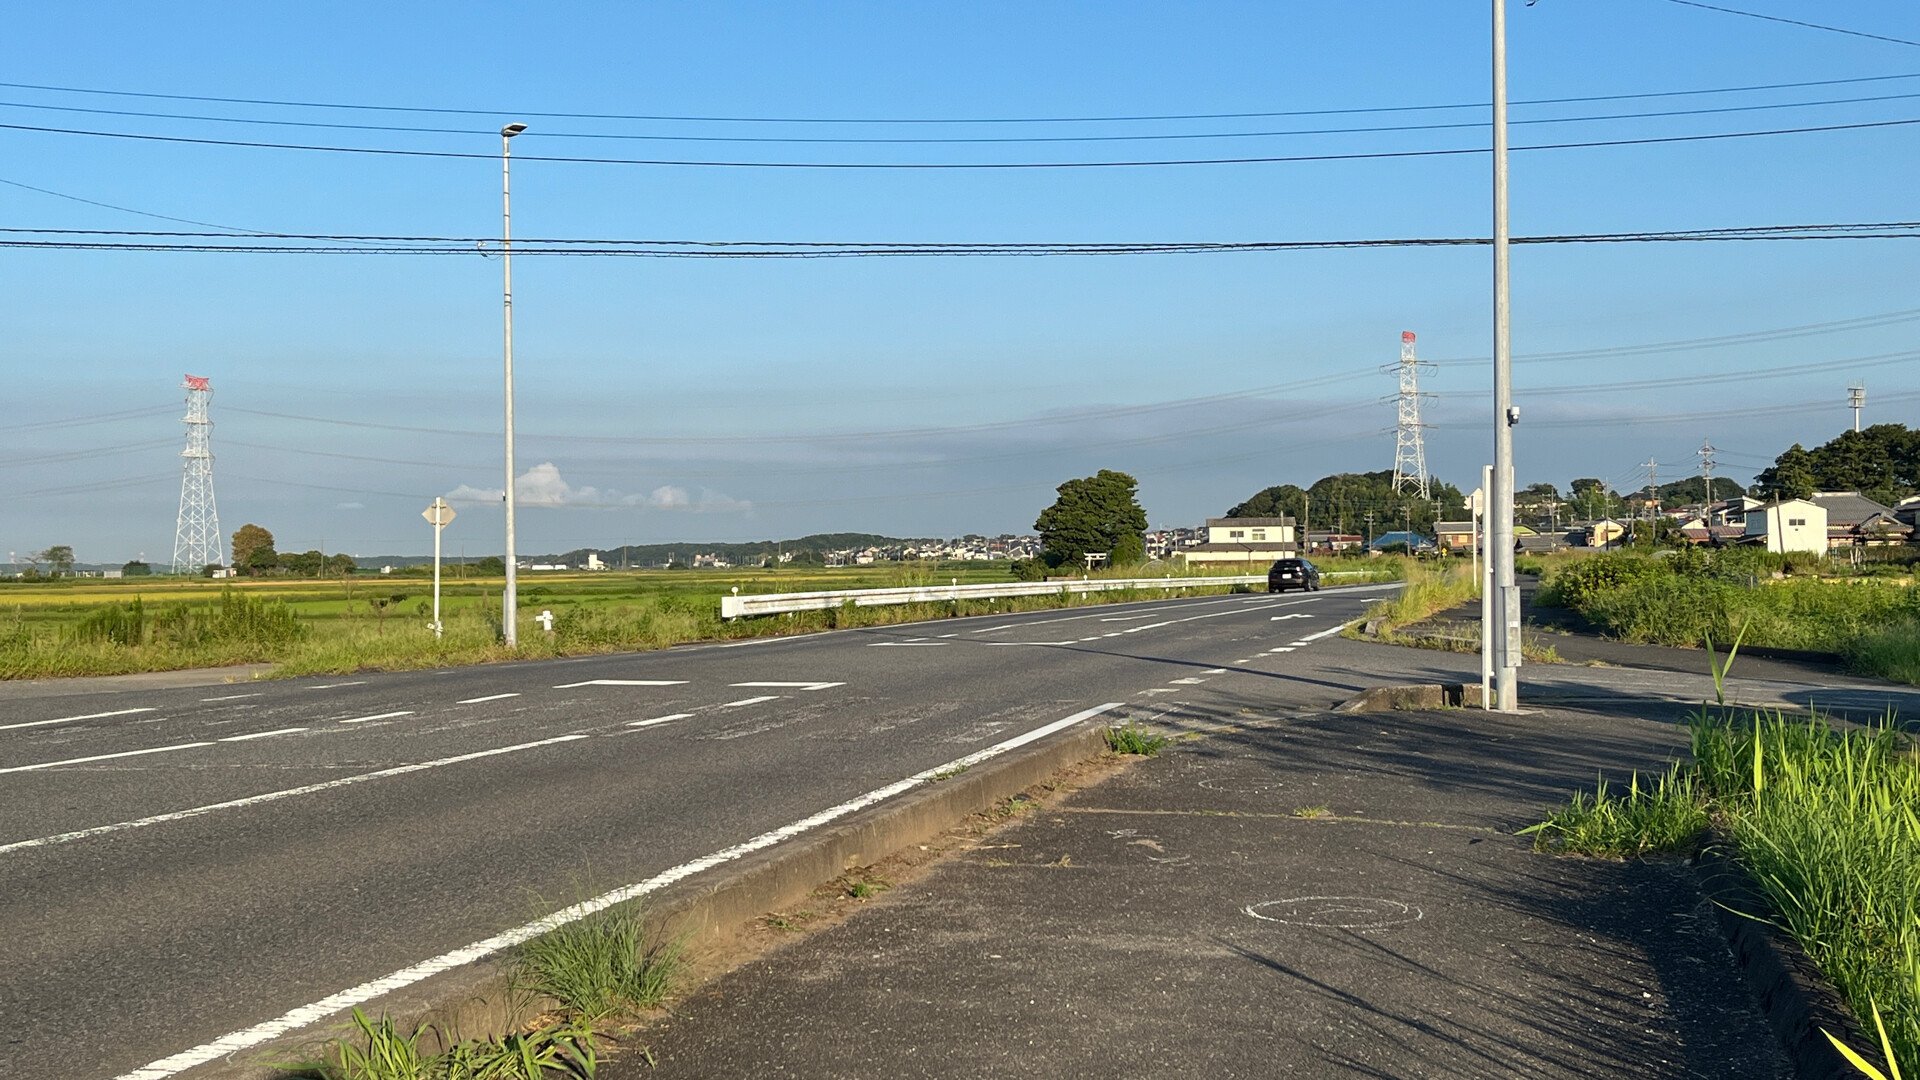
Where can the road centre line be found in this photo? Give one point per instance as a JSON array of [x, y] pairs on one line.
[[378, 716], [489, 697], [70, 719], [103, 757], [748, 701], [261, 734], [273, 796], [623, 682], [354, 996], [659, 720]]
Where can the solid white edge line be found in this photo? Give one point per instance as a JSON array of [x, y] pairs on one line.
[[272, 796], [231, 697], [103, 757], [261, 734], [748, 701], [489, 697], [1325, 633], [659, 719], [69, 719], [378, 716], [345, 999]]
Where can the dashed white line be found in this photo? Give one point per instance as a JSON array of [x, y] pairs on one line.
[[378, 716], [338, 685], [670, 717], [900, 644], [1283, 648], [271, 796], [307, 1014], [70, 719], [1188, 682], [1329, 632], [103, 757], [261, 734], [232, 697], [489, 697], [789, 685], [623, 682], [1215, 671], [748, 701]]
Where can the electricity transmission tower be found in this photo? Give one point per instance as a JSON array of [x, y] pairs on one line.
[[1707, 463], [196, 534], [1409, 448]]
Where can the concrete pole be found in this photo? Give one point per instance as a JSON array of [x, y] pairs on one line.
[[1506, 658], [1483, 574], [438, 528], [509, 597]]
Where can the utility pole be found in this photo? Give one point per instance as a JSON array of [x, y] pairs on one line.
[[1369, 530], [1506, 652], [509, 596], [1653, 486], [1856, 400], [1706, 474]]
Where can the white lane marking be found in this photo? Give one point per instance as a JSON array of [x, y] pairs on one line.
[[261, 734], [378, 716], [1129, 618], [232, 697], [489, 697], [748, 701], [1215, 671], [1295, 615], [338, 685], [104, 757], [70, 719], [1188, 682], [949, 635], [1033, 643], [345, 999], [660, 719], [272, 796], [1329, 632], [623, 682], [900, 644], [1283, 648], [790, 685]]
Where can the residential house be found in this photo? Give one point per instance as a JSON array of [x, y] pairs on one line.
[[1454, 535], [1788, 525], [1244, 540], [1322, 542], [1603, 533], [1413, 541], [1853, 520]]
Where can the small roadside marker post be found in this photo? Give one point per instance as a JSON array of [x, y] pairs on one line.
[[439, 515]]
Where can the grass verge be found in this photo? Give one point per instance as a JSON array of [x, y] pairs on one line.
[[1826, 822]]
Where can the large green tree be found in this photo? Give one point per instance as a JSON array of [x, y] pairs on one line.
[[1343, 501], [253, 549], [1094, 513], [1881, 462], [59, 559]]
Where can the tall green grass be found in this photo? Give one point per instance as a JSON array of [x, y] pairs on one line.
[[599, 967], [1826, 821]]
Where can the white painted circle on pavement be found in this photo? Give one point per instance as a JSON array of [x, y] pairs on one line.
[[1337, 912]]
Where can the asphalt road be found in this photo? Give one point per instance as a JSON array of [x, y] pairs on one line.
[[182, 863]]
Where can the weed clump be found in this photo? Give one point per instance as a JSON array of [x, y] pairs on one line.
[[1132, 739], [600, 966]]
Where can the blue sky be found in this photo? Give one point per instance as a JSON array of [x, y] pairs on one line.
[[681, 399]]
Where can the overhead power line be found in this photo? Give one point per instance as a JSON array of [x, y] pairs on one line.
[[1795, 22], [316, 244], [1069, 119], [386, 151], [1181, 136]]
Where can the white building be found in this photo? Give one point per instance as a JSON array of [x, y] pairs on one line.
[[1788, 525], [1244, 540]]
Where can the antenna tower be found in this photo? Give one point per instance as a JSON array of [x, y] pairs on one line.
[[1409, 449], [196, 535], [1856, 400], [1707, 463]]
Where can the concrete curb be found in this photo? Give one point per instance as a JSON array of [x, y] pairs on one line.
[[1413, 696], [1795, 997], [474, 1001]]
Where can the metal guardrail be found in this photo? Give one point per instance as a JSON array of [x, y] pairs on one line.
[[737, 606]]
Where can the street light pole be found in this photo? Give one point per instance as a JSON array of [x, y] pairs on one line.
[[1506, 653], [508, 596]]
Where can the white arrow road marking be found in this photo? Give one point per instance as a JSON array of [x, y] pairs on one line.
[[345, 999], [378, 716], [103, 757], [70, 719], [271, 796], [748, 701], [660, 719], [623, 682], [791, 685], [489, 697]]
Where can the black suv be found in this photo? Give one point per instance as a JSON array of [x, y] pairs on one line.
[[1293, 574]]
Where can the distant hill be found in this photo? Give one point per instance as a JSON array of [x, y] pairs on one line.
[[805, 549]]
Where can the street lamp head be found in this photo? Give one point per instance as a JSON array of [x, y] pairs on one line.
[[511, 130]]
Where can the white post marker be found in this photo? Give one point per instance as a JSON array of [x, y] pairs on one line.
[[1484, 574], [545, 619], [439, 515]]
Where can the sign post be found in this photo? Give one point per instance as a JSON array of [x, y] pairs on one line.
[[1486, 594], [439, 515]]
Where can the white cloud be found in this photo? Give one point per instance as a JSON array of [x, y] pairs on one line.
[[543, 485]]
